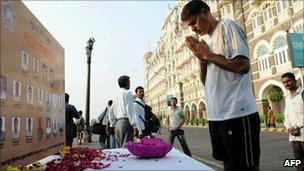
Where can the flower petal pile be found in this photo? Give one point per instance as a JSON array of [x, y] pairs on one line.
[[78, 159]]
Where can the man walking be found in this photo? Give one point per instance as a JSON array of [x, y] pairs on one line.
[[80, 128], [175, 119], [294, 116], [110, 129], [234, 122], [124, 112], [70, 113], [103, 119]]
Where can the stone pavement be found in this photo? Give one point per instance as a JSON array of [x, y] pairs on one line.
[[275, 147]]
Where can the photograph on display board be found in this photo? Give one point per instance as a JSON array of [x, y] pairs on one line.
[[35, 65], [48, 126], [52, 81], [47, 99], [15, 127], [29, 127], [55, 101], [55, 126], [40, 96], [2, 128], [60, 102], [17, 91], [30, 94], [44, 71], [24, 60], [40, 126], [3, 86]]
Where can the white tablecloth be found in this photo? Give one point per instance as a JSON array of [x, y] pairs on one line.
[[174, 160]]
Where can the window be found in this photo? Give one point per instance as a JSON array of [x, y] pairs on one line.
[[280, 50], [262, 54], [299, 29], [255, 19], [281, 6], [267, 12], [227, 11]]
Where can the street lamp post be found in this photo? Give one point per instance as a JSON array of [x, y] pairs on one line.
[[89, 48]]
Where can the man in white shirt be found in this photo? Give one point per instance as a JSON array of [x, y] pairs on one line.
[[234, 122], [103, 119], [175, 119], [294, 116], [140, 112], [124, 112], [110, 129]]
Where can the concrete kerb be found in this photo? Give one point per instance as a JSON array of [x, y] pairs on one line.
[[212, 164], [263, 129]]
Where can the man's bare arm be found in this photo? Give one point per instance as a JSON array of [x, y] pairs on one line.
[[203, 71], [239, 64]]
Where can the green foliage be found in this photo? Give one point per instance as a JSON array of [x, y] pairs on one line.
[[280, 118], [262, 118], [197, 121], [204, 122], [191, 121], [186, 121], [275, 95]]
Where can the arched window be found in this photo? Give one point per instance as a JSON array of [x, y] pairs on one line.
[[280, 50], [256, 23], [255, 20], [262, 54], [267, 12]]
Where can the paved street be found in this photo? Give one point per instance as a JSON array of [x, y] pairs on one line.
[[275, 148]]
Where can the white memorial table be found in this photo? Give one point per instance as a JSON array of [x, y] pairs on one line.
[[174, 160]]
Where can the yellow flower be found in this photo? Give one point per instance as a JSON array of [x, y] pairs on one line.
[[66, 149]]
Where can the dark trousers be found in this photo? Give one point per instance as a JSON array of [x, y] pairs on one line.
[[298, 150], [104, 141], [182, 139], [69, 140]]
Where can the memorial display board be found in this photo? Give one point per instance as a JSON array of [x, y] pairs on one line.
[[31, 88]]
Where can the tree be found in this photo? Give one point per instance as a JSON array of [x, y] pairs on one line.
[[275, 95]]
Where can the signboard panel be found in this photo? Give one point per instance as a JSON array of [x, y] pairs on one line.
[[31, 89], [296, 49]]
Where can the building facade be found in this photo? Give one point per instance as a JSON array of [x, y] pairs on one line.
[[172, 70]]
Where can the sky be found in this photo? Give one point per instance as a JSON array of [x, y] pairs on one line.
[[124, 31]]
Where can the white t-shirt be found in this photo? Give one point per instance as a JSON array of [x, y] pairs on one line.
[[228, 95], [175, 117]]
